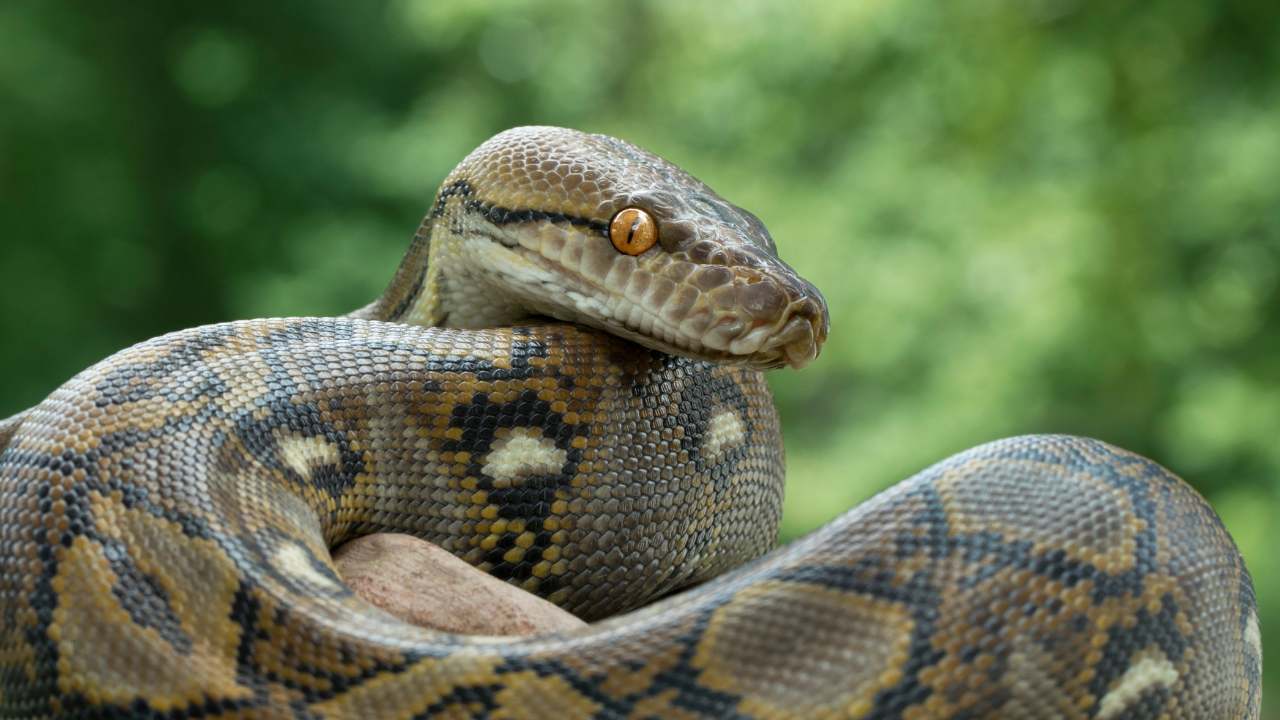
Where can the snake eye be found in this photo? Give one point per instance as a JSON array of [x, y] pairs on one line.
[[633, 231]]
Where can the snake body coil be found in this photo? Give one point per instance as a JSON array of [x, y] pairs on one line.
[[166, 516]]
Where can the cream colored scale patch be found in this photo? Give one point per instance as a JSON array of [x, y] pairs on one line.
[[724, 432], [1153, 670], [294, 560], [305, 453], [522, 453], [1253, 635]]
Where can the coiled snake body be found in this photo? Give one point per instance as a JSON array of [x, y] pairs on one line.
[[166, 516]]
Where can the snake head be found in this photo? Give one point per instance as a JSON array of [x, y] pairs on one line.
[[594, 230]]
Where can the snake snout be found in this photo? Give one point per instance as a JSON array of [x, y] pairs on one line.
[[802, 334], [801, 329], [767, 321], [792, 310]]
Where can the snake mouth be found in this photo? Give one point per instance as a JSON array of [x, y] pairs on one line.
[[794, 338], [800, 338]]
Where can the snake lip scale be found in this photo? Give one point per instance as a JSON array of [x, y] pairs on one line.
[[562, 385]]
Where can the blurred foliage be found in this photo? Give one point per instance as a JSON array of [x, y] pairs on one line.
[[1030, 216]]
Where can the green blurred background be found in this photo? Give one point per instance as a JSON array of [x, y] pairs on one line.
[[1033, 216]]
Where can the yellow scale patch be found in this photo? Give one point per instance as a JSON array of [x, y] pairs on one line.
[[409, 693], [107, 657], [1110, 545], [867, 638]]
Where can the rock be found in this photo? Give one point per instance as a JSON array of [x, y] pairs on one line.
[[420, 583]]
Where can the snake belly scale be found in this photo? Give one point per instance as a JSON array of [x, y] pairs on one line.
[[586, 419]]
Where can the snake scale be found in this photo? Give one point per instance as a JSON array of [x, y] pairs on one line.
[[166, 517]]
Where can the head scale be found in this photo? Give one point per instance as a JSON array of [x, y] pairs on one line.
[[591, 229]]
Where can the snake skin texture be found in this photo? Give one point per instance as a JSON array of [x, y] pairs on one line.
[[166, 517]]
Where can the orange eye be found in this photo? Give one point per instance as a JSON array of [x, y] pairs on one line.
[[633, 231]]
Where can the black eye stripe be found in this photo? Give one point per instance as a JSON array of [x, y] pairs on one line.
[[509, 216]]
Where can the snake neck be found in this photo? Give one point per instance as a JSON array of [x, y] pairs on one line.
[[435, 287], [412, 295]]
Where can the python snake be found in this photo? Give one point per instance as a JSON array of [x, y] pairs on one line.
[[166, 517]]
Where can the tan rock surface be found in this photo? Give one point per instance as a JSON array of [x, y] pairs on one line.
[[420, 583]]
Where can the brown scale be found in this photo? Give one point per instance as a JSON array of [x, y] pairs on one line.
[[166, 516]]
